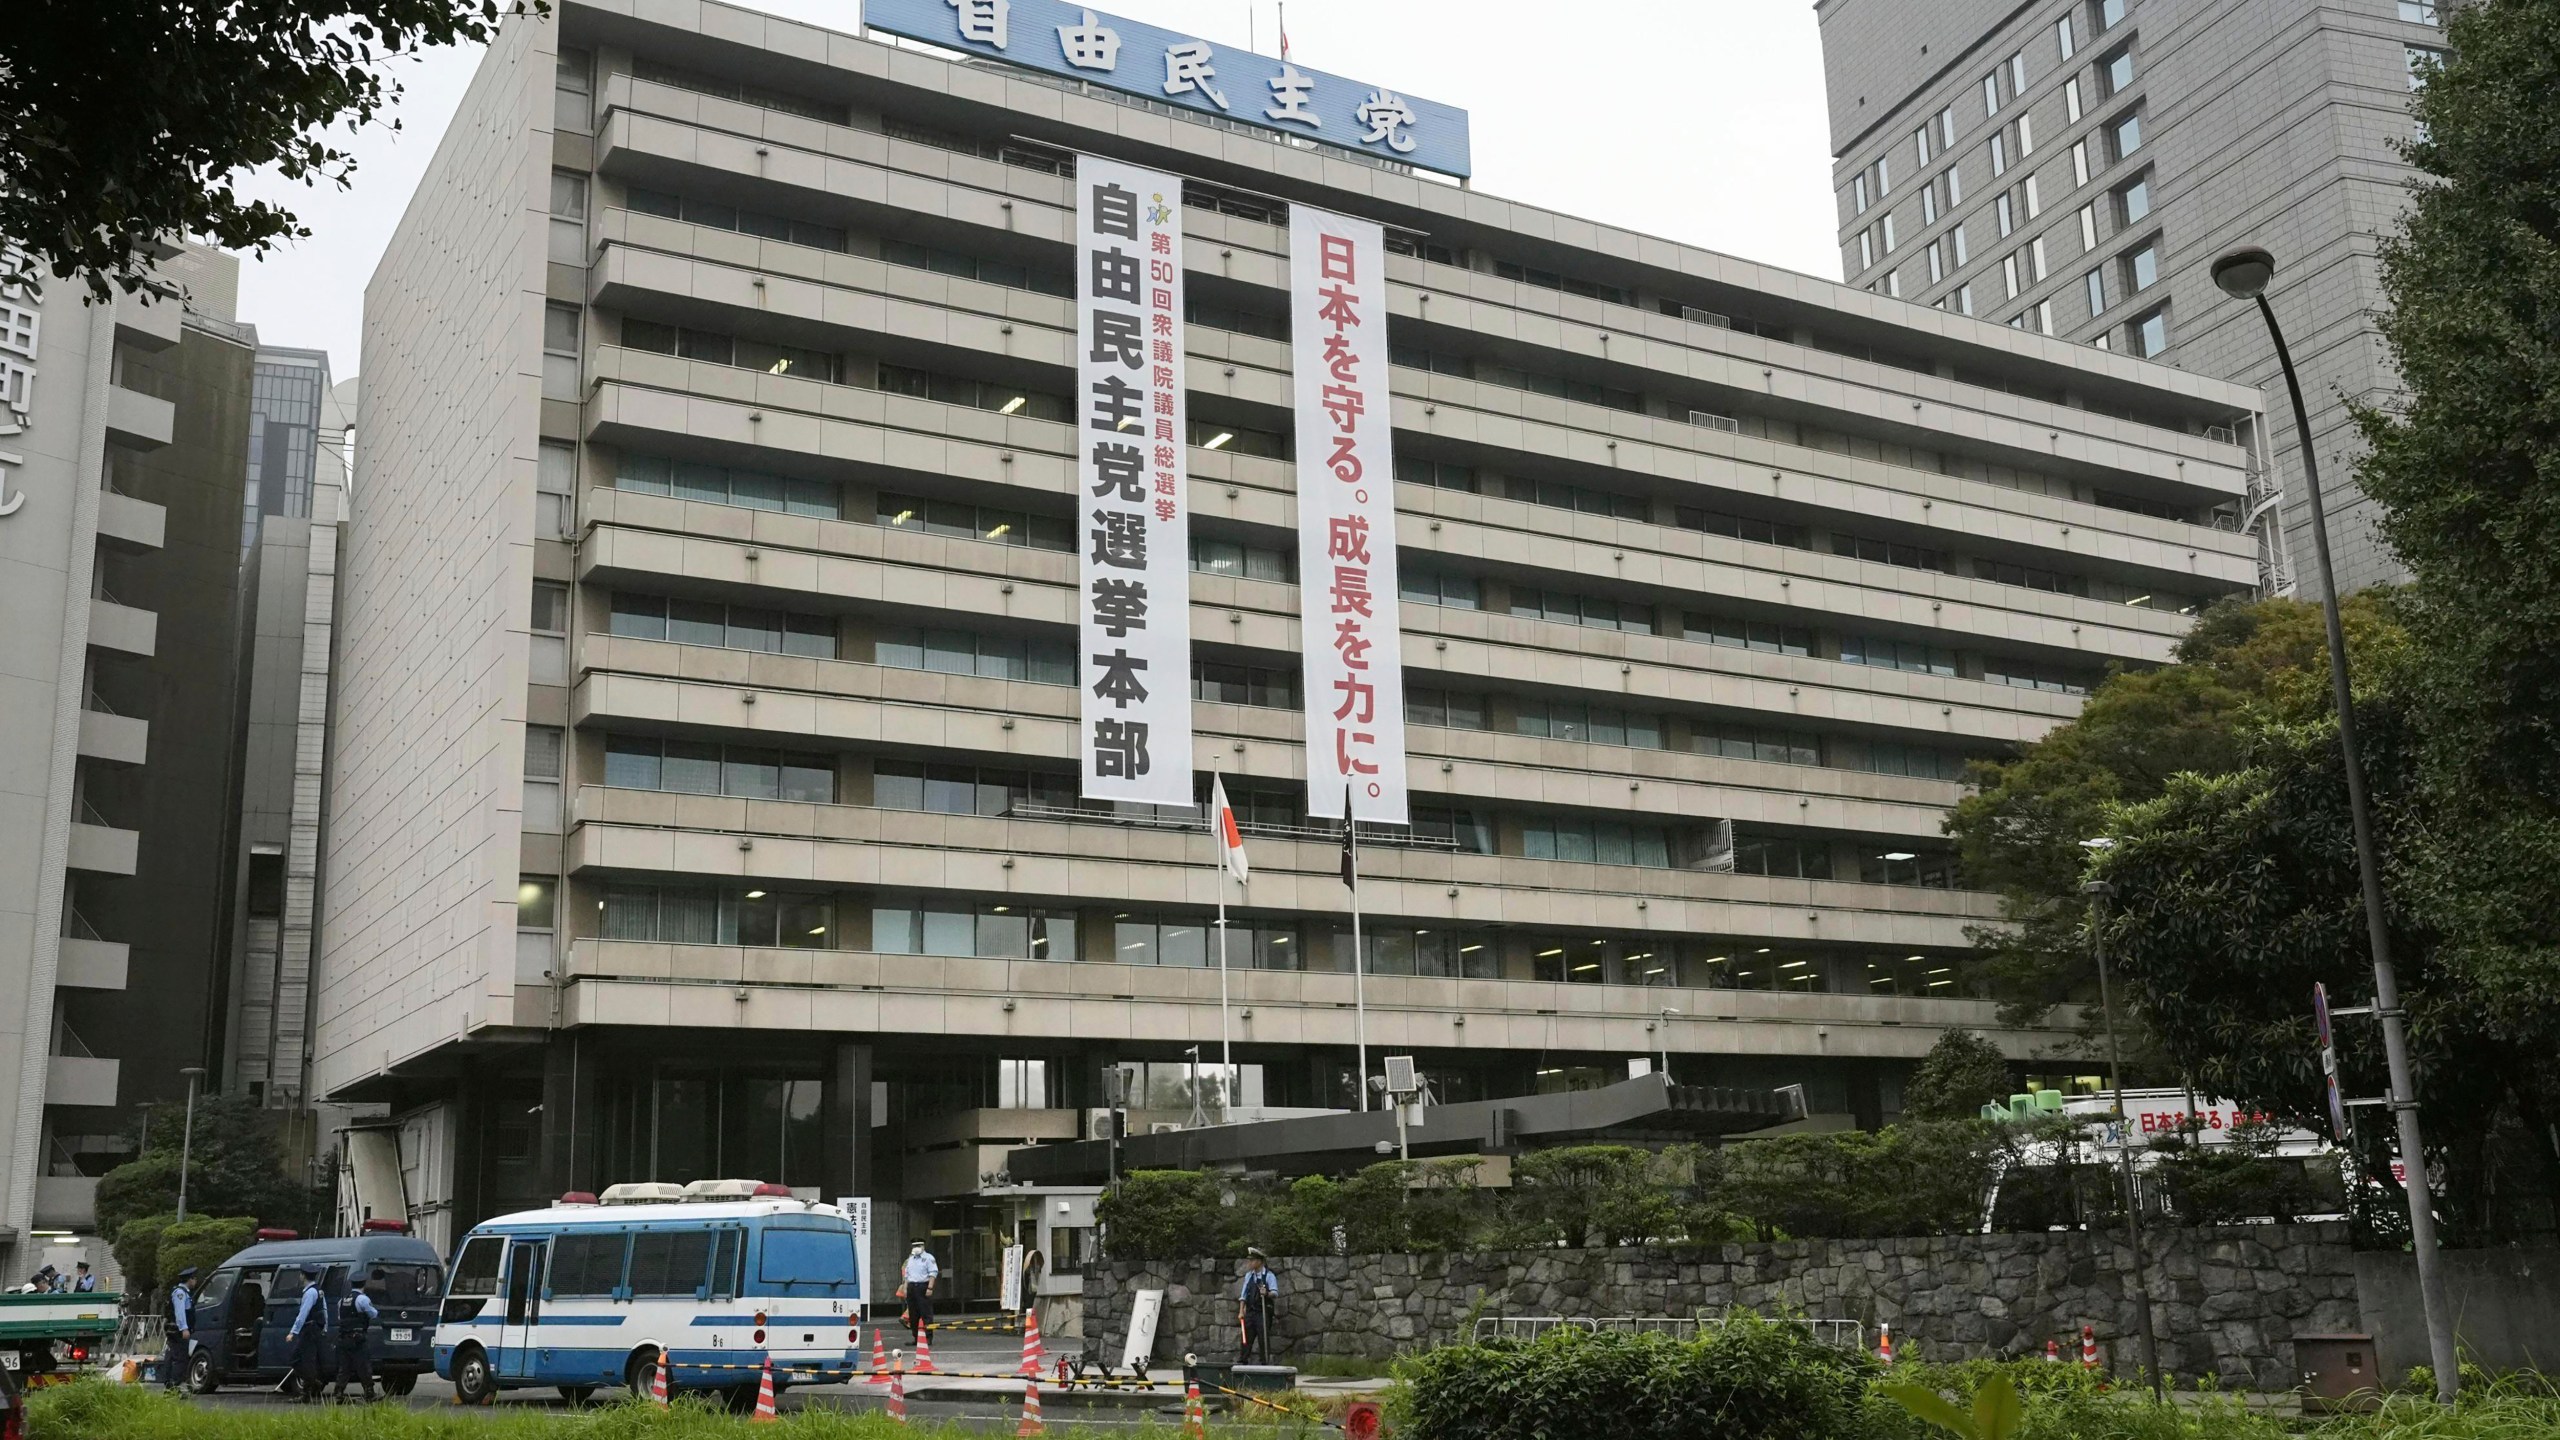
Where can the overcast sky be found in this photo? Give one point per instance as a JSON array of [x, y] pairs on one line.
[[1699, 120]]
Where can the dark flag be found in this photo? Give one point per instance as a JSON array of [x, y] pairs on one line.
[[1350, 845]]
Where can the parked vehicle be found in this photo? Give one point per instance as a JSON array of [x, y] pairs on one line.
[[244, 1310], [709, 1280], [45, 1334]]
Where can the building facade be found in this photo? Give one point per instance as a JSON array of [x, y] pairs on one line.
[[2074, 168], [703, 794], [122, 431]]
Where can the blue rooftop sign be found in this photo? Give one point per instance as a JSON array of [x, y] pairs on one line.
[[1166, 65]]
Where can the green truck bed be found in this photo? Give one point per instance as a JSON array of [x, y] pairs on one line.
[[60, 1317]]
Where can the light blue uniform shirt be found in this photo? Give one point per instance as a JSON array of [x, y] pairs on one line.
[[315, 1306], [920, 1267]]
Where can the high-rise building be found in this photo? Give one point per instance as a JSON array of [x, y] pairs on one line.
[[2074, 167], [123, 429], [704, 797]]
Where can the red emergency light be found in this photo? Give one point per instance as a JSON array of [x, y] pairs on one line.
[[275, 1233], [578, 1197], [769, 1188], [386, 1227]]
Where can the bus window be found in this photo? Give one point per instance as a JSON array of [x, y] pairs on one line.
[[475, 1277], [586, 1264], [724, 1267], [670, 1262], [796, 1256]]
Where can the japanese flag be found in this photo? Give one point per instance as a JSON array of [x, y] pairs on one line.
[[1222, 824]]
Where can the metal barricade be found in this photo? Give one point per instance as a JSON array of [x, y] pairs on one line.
[[1526, 1327]]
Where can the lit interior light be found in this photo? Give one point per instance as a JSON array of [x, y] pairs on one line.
[[1915, 957], [1001, 909], [998, 532], [1016, 403], [1934, 984], [755, 894], [1222, 438], [1763, 950], [1547, 954], [1586, 965], [1551, 1072], [1469, 949], [2139, 600], [1792, 964], [903, 517], [821, 930], [1900, 855], [1943, 970], [778, 367]]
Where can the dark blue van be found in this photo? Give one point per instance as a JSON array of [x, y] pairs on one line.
[[244, 1309]]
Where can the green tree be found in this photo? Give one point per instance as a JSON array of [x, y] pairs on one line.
[[1961, 1073], [234, 1168], [204, 1241], [1168, 1215], [125, 121]]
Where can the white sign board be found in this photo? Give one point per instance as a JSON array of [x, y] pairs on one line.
[[21, 323], [1134, 605], [1012, 1302], [1347, 606], [1144, 1311], [857, 1208]]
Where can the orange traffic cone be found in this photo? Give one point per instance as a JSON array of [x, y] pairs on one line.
[[2053, 1352], [1884, 1343], [2088, 1348], [1195, 1420], [1031, 1424], [1031, 1355], [658, 1381], [879, 1358], [898, 1389], [765, 1413], [924, 1352]]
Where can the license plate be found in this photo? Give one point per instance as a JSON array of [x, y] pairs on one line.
[[403, 1337]]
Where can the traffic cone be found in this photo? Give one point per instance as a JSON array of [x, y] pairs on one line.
[[1031, 1424], [924, 1353], [1884, 1343], [2088, 1347], [898, 1389], [879, 1358], [1195, 1419], [765, 1412], [658, 1382], [2053, 1352], [1031, 1355]]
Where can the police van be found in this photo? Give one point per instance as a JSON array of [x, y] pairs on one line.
[[708, 1280], [245, 1308]]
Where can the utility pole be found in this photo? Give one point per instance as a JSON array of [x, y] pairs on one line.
[[2098, 891]]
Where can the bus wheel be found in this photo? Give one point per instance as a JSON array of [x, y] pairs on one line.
[[642, 1374], [577, 1395], [398, 1386], [473, 1381], [742, 1400]]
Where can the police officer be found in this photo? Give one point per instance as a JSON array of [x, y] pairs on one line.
[[87, 1284], [310, 1325], [1256, 1299], [917, 1289], [355, 1339], [182, 1330]]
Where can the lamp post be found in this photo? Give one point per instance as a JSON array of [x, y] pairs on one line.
[[2243, 274], [1665, 1038], [187, 1137], [2098, 891]]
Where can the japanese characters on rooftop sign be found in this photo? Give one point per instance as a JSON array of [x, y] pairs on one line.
[[1177, 69], [20, 323], [1348, 613], [1135, 602]]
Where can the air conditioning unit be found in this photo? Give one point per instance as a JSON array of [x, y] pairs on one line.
[[1401, 1079], [1163, 1127]]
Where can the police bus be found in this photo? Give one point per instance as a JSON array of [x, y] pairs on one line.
[[709, 1280]]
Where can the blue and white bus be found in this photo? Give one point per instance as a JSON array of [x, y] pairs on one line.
[[709, 1280]]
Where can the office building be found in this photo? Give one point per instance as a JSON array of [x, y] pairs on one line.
[[123, 428], [704, 798], [2073, 168]]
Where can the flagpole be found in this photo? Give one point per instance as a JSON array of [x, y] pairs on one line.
[[1359, 962], [1226, 1035]]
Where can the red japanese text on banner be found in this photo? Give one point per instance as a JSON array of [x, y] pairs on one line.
[[1346, 517], [1134, 600]]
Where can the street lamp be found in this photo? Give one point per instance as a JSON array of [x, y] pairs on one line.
[[187, 1137], [2243, 274], [1665, 1038], [2098, 891]]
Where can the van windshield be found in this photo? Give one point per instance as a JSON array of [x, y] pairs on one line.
[[475, 1270], [808, 1257], [408, 1284]]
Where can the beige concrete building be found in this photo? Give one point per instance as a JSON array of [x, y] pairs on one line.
[[701, 799]]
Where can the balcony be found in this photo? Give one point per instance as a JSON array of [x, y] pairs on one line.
[[130, 523], [101, 847], [116, 626], [80, 1080], [150, 327], [117, 739], [138, 421], [89, 963]]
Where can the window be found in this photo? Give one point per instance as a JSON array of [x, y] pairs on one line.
[[2079, 163], [974, 522], [1769, 637], [2088, 228], [1920, 762], [2071, 100], [1889, 241], [1735, 740], [536, 907], [2419, 12], [548, 658], [2000, 572], [2096, 284], [586, 1264], [968, 789], [1785, 858], [1955, 186], [1450, 709], [2126, 134], [1947, 128], [643, 68], [1866, 249], [1964, 299], [1937, 268], [555, 476], [1588, 724], [994, 932], [1957, 235], [2026, 136], [721, 216], [2008, 218], [475, 1270], [550, 608], [1245, 562], [1433, 587], [2009, 272], [2035, 253], [691, 915], [1597, 611], [728, 485], [1587, 501], [975, 394], [2142, 268], [2151, 334], [1225, 684], [2062, 36], [2134, 201], [1935, 870], [1402, 950], [1999, 147], [795, 1256], [635, 762], [568, 217], [1590, 841], [2117, 71], [1550, 280], [2035, 204], [1039, 659], [1929, 203], [2110, 13], [1742, 527], [1887, 552], [542, 745], [2032, 675], [732, 627], [1920, 144], [2417, 58], [2018, 74], [718, 349], [670, 1262], [571, 108], [987, 271], [1890, 654], [2044, 316], [1991, 93], [560, 351], [1437, 474], [1884, 176], [1268, 324]]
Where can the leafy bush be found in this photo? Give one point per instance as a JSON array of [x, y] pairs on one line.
[[137, 1247], [204, 1241], [1926, 1178], [2245, 1179], [1167, 1215], [1961, 1073], [1751, 1379]]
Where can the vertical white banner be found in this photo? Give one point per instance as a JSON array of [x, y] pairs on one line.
[[1346, 517], [1135, 600]]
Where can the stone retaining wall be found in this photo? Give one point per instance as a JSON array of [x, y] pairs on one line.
[[2227, 1300]]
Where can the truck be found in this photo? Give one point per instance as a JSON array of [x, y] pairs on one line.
[[50, 1334]]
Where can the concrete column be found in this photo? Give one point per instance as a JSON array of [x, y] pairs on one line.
[[569, 1151], [844, 1106]]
